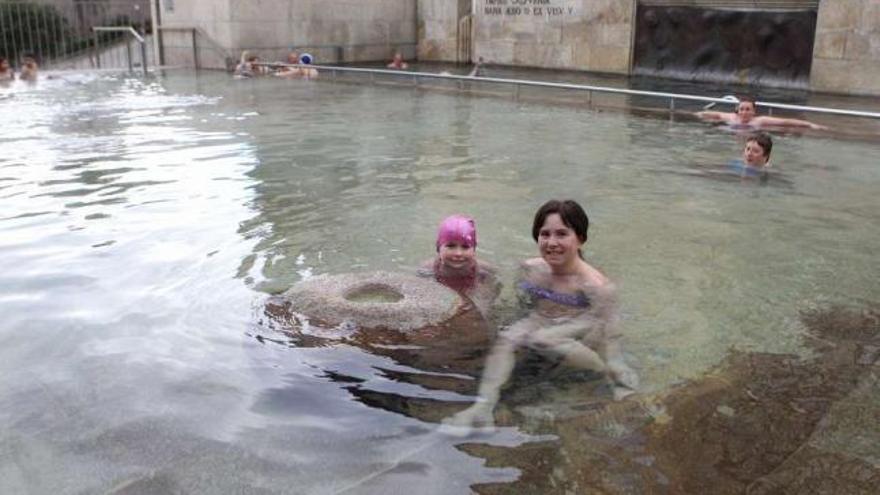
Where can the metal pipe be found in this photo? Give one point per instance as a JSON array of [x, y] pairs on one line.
[[128, 55], [154, 24], [97, 51], [598, 89], [144, 57], [195, 44]]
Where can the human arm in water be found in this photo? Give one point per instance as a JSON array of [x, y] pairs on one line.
[[589, 340], [708, 116], [767, 121]]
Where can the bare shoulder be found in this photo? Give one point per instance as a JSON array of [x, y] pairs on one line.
[[487, 268], [534, 267], [595, 279]]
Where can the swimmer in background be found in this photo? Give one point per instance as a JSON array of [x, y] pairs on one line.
[[291, 72], [475, 72], [307, 72], [755, 158], [456, 265], [6, 72], [29, 69], [397, 62], [247, 66], [573, 314], [746, 116]]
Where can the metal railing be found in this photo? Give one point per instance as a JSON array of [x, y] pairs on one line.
[[134, 34], [58, 34], [671, 98]]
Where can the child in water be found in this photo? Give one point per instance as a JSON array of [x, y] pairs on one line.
[[755, 157], [573, 313], [456, 265]]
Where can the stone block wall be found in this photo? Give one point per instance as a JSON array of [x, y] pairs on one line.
[[331, 30], [438, 28], [846, 53], [592, 35]]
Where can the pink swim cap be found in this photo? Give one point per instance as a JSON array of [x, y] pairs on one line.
[[457, 228]]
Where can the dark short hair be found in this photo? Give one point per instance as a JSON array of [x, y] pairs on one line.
[[764, 141], [571, 213], [748, 98]]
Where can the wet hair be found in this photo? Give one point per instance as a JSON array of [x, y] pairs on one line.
[[764, 141], [747, 99], [571, 213]]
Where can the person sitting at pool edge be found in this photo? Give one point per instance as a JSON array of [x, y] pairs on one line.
[[456, 265], [29, 69], [573, 315], [397, 62], [745, 116], [755, 157]]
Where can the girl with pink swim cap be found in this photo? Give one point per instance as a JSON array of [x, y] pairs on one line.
[[456, 265]]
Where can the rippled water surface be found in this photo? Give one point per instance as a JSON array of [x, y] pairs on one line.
[[144, 223]]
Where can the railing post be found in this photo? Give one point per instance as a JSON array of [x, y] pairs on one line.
[[157, 50], [672, 104], [195, 49], [144, 56], [97, 52]]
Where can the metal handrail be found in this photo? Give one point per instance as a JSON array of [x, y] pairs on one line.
[[581, 87], [125, 29]]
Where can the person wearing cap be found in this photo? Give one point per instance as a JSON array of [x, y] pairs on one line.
[[456, 266]]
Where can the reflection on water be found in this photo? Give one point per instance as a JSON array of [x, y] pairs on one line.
[[758, 423], [146, 222]]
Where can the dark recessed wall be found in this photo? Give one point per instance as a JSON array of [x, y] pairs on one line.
[[772, 48]]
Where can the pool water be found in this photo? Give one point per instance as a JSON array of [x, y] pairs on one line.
[[144, 223]]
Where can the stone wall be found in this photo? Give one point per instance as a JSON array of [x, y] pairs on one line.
[[771, 47], [332, 30], [438, 28], [846, 54], [592, 35]]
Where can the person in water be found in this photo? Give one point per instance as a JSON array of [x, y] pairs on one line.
[[755, 163], [29, 69], [6, 72], [249, 66], [573, 313], [456, 265], [746, 116], [292, 70], [397, 62]]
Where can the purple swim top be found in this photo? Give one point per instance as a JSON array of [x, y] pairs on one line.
[[579, 300]]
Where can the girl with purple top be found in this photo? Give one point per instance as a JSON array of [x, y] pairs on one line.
[[456, 265], [574, 313]]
